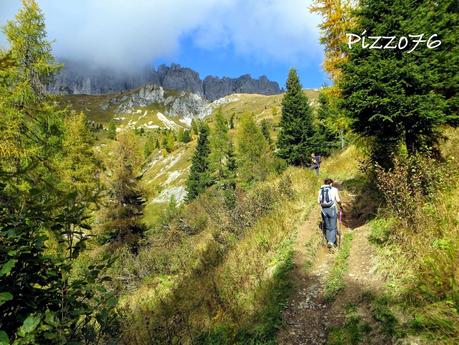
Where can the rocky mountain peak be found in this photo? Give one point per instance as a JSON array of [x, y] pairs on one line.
[[77, 78]]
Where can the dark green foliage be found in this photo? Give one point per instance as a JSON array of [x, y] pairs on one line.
[[200, 178], [186, 138], [180, 135], [297, 137], [150, 145], [265, 131], [393, 96], [382, 313], [169, 142]]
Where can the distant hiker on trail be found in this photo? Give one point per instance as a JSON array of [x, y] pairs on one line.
[[315, 162], [328, 198]]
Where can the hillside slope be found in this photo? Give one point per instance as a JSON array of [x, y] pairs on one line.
[[152, 108]]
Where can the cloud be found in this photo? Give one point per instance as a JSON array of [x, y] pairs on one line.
[[125, 34], [264, 29]]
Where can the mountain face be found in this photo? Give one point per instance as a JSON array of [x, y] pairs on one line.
[[179, 78], [76, 78], [184, 105], [215, 88]]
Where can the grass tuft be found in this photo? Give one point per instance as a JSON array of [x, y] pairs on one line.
[[335, 281]]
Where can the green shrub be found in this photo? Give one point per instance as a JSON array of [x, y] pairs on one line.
[[381, 229], [412, 182]]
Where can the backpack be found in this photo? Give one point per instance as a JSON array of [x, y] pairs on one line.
[[316, 162], [325, 197], [317, 157]]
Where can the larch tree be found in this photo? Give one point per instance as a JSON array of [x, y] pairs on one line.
[[122, 222], [332, 123], [337, 20], [253, 154], [38, 301], [78, 170], [222, 160]]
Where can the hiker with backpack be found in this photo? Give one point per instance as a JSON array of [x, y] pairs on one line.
[[329, 200], [315, 163]]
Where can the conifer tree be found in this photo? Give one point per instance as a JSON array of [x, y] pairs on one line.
[[186, 136], [164, 142], [170, 141], [297, 137], [28, 189], [200, 178], [77, 168], [331, 125], [393, 96], [337, 20], [222, 158], [42, 195], [254, 161], [180, 134], [195, 126], [122, 219], [265, 130]]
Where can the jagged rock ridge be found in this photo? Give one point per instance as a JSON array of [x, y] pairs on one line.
[[185, 105], [77, 78]]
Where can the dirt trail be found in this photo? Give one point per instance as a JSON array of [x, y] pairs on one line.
[[307, 315], [361, 279]]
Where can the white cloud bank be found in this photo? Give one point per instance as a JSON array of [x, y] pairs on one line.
[[129, 33]]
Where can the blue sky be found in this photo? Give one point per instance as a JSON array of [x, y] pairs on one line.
[[214, 37]]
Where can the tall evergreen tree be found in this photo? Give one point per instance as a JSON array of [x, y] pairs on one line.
[[200, 178], [28, 190], [393, 96], [297, 137]]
